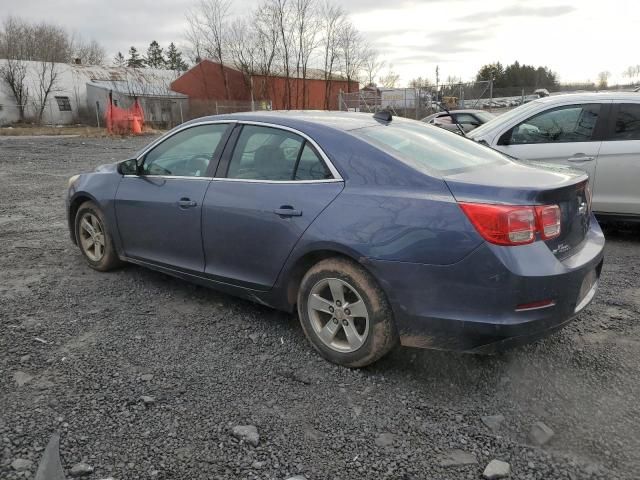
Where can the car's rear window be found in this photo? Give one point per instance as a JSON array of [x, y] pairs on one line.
[[428, 148]]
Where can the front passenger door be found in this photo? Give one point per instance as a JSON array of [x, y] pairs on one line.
[[159, 210], [566, 135]]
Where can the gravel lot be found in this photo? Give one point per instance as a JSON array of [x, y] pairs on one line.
[[78, 350]]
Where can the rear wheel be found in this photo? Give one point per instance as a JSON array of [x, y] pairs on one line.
[[345, 314], [94, 239]]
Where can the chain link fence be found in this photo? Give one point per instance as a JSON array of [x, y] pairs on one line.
[[418, 103], [203, 107]]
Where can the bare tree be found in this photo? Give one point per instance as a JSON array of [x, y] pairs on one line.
[[282, 14], [332, 18], [242, 49], [372, 65], [89, 53], [306, 28], [603, 79], [207, 32], [13, 72], [390, 79], [352, 52], [46, 83], [267, 37]]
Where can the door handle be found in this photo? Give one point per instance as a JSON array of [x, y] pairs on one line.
[[287, 211], [580, 157], [187, 203]]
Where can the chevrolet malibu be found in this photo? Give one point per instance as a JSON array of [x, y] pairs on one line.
[[378, 230]]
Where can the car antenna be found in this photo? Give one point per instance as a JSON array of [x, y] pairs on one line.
[[455, 119], [383, 116]]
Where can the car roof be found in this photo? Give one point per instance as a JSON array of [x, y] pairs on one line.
[[337, 120], [589, 97]]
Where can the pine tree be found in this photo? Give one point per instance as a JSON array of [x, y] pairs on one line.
[[134, 60], [119, 60], [174, 59], [155, 56]]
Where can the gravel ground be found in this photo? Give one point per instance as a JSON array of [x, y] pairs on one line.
[[79, 349]]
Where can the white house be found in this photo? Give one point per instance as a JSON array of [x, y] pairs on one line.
[[70, 103]]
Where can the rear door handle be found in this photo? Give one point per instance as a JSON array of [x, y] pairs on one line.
[[187, 203], [580, 157], [287, 211]]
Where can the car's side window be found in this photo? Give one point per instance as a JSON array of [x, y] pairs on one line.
[[466, 119], [266, 153], [310, 166], [627, 126], [185, 154], [570, 123]]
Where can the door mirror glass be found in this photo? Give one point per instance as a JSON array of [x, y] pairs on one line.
[[128, 167]]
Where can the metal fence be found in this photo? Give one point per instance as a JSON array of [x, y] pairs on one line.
[[203, 107], [418, 103]]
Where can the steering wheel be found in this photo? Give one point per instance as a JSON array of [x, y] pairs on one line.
[[198, 160]]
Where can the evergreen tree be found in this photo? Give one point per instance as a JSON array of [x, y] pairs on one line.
[[155, 56], [134, 60], [119, 60], [174, 59]]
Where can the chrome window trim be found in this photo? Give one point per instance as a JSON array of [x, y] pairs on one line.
[[336, 175], [170, 177], [242, 180]]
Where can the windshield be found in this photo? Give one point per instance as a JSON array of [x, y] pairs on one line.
[[427, 148], [503, 118]]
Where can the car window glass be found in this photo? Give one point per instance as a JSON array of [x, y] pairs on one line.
[[186, 154], [444, 120], [627, 126], [427, 148], [466, 118], [266, 153], [570, 123], [310, 166]]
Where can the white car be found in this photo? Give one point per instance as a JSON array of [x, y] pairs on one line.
[[596, 132]]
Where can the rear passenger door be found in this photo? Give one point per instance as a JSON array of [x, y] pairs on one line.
[[268, 189], [617, 186]]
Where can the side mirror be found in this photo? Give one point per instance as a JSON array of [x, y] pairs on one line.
[[129, 167]]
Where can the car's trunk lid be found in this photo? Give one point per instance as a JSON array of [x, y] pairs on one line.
[[520, 184]]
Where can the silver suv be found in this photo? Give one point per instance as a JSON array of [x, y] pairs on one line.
[[595, 132]]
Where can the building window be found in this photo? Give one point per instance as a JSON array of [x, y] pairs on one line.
[[64, 104]]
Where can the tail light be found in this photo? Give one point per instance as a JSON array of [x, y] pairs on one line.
[[513, 224], [548, 221]]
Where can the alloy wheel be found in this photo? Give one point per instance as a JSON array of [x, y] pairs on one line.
[[92, 237], [338, 315]]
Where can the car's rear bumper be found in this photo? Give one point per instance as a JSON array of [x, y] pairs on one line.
[[472, 305]]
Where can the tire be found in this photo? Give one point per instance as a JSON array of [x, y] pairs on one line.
[[96, 248], [350, 338]]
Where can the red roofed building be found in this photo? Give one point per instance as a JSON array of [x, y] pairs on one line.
[[204, 84]]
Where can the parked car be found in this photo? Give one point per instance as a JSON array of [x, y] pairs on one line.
[[596, 132], [377, 230], [468, 119]]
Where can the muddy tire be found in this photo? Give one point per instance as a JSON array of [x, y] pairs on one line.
[[345, 314], [94, 239]]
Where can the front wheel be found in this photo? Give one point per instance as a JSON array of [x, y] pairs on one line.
[[345, 314], [94, 239]]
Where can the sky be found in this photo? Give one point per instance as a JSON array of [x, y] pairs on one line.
[[575, 38]]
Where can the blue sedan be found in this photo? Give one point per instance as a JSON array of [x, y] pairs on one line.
[[378, 230]]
